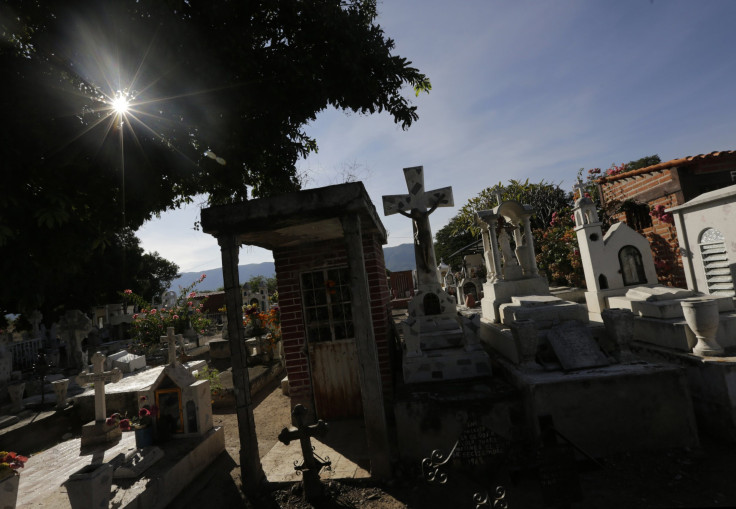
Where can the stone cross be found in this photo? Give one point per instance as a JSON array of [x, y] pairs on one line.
[[170, 338], [311, 466], [99, 377], [580, 188], [418, 205]]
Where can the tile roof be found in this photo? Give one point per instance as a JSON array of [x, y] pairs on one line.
[[669, 164]]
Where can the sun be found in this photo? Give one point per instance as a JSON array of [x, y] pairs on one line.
[[120, 103]]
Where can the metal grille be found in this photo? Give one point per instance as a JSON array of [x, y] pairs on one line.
[[715, 263]]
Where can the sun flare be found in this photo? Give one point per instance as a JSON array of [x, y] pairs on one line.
[[120, 103]]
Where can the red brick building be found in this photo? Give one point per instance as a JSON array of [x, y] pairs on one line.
[[633, 195]]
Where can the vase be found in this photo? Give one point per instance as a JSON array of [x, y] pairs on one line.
[[144, 437], [90, 486], [702, 317], [9, 491]]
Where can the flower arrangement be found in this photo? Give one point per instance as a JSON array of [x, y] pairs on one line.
[[10, 462], [149, 324], [144, 419]]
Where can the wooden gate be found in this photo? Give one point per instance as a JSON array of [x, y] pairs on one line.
[[335, 381]]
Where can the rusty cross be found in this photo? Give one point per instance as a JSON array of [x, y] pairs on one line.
[[312, 465]]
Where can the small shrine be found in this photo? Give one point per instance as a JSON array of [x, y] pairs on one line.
[[184, 403]]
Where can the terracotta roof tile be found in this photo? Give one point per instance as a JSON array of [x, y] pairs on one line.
[[668, 164]]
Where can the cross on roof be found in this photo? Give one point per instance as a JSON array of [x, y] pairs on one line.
[[580, 188], [99, 376], [419, 200], [170, 338]]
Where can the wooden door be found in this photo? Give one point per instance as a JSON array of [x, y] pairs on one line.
[[335, 382]]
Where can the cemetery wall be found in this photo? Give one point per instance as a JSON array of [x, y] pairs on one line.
[[289, 264]]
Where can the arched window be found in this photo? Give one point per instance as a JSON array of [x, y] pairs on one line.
[[431, 304], [717, 269], [632, 268]]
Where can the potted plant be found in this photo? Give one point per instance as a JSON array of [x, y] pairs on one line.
[[142, 424], [10, 462]]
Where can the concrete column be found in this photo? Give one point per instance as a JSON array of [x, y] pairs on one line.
[[369, 371], [495, 255], [530, 242], [250, 462]]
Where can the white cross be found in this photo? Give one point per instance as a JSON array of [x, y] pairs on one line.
[[99, 376], [170, 338], [417, 200]]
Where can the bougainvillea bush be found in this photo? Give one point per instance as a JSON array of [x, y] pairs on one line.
[[149, 324]]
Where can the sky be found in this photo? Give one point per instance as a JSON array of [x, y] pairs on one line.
[[520, 90]]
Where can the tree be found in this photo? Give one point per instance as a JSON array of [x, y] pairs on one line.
[[219, 105]]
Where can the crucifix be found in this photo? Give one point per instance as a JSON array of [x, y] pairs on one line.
[[418, 205], [170, 338], [99, 376], [312, 463]]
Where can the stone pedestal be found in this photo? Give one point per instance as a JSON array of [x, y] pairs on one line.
[[99, 433], [500, 292]]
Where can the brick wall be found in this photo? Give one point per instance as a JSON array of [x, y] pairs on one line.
[[656, 188], [289, 264]]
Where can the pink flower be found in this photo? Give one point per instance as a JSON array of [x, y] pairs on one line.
[[125, 424], [127, 292], [144, 412], [198, 310], [190, 303], [175, 317], [135, 316], [153, 311], [192, 295], [202, 331]]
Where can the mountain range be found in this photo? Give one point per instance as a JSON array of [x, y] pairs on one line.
[[399, 257]]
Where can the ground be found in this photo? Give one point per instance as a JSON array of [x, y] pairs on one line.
[[663, 479]]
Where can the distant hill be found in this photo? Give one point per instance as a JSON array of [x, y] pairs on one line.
[[397, 258]]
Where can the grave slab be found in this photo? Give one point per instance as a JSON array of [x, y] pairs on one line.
[[575, 347]]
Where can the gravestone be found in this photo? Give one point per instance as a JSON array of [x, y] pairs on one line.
[[98, 431], [478, 445], [311, 465], [127, 362], [575, 347]]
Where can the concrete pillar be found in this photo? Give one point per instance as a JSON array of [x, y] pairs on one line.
[[369, 371], [252, 473]]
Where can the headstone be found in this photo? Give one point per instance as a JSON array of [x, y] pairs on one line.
[[311, 466], [478, 445], [575, 347], [98, 431], [127, 362]]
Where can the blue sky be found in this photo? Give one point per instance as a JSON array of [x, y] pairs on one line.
[[520, 89]]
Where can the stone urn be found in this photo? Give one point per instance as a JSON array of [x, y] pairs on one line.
[[619, 325], [15, 391], [702, 317], [9, 491], [527, 341], [90, 486], [60, 388]]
